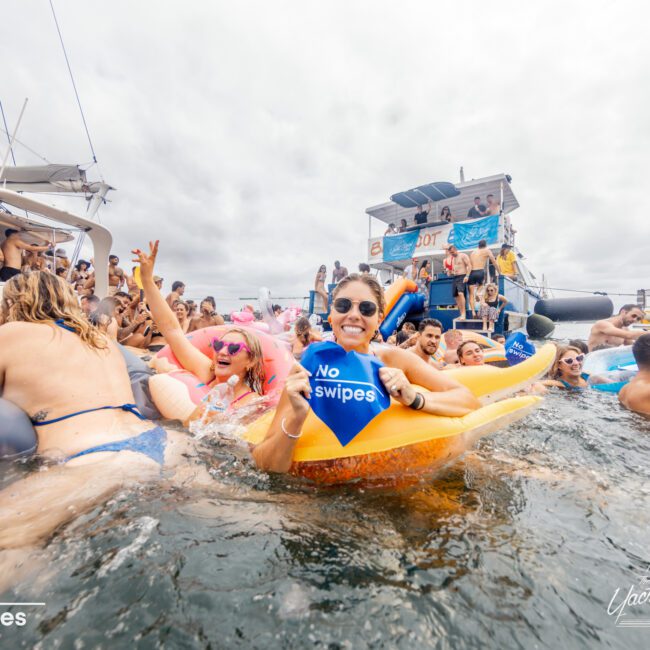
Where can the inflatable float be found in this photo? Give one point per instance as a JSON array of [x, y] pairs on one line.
[[177, 392], [609, 370], [400, 442], [493, 352]]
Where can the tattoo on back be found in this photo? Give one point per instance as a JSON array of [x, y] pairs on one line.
[[40, 416]]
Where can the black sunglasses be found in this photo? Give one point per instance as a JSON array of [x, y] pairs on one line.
[[366, 307]]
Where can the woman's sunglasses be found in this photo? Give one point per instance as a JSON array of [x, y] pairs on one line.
[[366, 307], [231, 348], [570, 360]]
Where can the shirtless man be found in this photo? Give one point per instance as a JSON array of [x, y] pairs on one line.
[[478, 259], [338, 272], [178, 289], [453, 338], [428, 341], [208, 316], [12, 248], [612, 332], [460, 270], [636, 395], [116, 276], [493, 206]]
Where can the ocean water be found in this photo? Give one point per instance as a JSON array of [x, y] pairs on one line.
[[525, 542]]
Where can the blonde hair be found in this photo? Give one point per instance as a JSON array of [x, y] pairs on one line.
[[561, 351], [255, 377], [41, 297]]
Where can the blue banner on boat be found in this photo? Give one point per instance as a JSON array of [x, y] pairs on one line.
[[400, 247], [469, 234], [346, 392]]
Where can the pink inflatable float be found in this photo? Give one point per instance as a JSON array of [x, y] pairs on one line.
[[177, 392]]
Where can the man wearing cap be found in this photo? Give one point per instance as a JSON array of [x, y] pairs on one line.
[[411, 271], [507, 262]]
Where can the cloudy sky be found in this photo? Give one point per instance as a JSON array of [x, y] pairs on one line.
[[249, 137]]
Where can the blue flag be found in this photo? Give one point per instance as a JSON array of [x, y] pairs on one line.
[[346, 392], [468, 235], [400, 247]]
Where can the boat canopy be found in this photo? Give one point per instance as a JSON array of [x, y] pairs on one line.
[[48, 178], [33, 232], [99, 235], [402, 204], [424, 193]]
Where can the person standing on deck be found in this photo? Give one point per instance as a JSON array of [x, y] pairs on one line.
[[460, 269], [612, 332], [421, 216], [507, 262], [478, 210], [493, 206], [411, 271], [12, 248], [338, 272], [478, 259]]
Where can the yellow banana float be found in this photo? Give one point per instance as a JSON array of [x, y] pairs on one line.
[[401, 442]]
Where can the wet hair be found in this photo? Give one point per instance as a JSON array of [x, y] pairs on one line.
[[482, 243], [255, 378], [370, 282], [401, 337], [9, 232], [429, 322], [364, 268], [641, 351], [580, 345], [629, 307], [461, 347], [40, 297], [177, 285], [561, 351], [301, 328]]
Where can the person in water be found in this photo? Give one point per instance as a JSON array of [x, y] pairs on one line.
[[72, 381], [470, 353], [357, 309], [566, 371], [453, 338], [303, 335], [427, 341], [636, 395], [612, 332], [236, 352]]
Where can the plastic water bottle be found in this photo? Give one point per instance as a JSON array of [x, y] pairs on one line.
[[219, 398]]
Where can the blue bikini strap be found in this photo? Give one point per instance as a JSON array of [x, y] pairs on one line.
[[131, 408], [61, 323]]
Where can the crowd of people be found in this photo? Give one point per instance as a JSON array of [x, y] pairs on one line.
[[87, 421]]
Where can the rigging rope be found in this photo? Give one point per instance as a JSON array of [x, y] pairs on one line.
[[6, 130], [74, 86], [22, 144]]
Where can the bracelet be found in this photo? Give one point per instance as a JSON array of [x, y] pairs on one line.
[[293, 436], [418, 403]]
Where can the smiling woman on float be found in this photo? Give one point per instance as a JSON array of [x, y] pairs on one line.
[[236, 352], [357, 309], [566, 371]]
